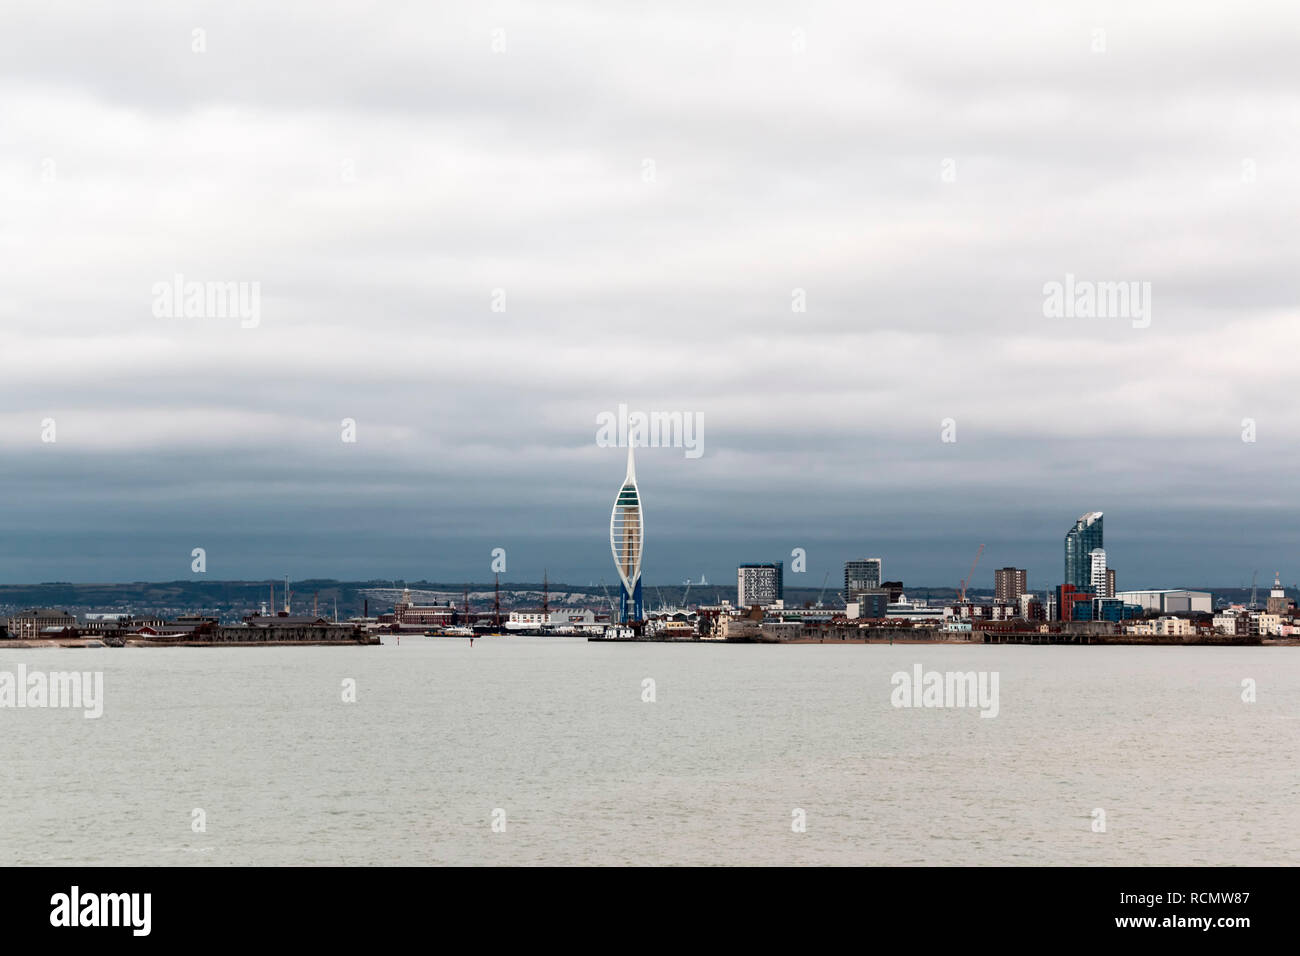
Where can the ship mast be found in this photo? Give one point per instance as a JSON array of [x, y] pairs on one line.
[[496, 603]]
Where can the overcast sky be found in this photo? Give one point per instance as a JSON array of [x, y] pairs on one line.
[[648, 183]]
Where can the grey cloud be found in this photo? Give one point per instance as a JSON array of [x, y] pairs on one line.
[[524, 171]]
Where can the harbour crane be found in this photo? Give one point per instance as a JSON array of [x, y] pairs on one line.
[[686, 596], [613, 609], [970, 578], [823, 591]]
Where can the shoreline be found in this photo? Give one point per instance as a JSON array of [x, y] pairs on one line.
[[1095, 641], [93, 644]]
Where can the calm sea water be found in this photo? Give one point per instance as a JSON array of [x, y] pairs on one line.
[[554, 732]]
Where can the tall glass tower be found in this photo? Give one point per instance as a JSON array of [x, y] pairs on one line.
[[626, 525], [1080, 542]]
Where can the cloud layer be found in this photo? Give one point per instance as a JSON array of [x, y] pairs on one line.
[[644, 189]]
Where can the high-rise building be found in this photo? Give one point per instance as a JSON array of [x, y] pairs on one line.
[[1080, 542], [1110, 582], [1098, 578], [1009, 584], [760, 584], [626, 538], [860, 575]]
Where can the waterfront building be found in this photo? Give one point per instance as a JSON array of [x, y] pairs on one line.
[[859, 575], [1235, 623], [1278, 602], [869, 604], [1098, 578], [1268, 625], [117, 624], [626, 541], [905, 610], [1004, 612], [760, 584], [710, 621], [278, 628], [1162, 627], [738, 629], [1080, 542], [1073, 604], [1113, 609], [1009, 584], [30, 624], [671, 629], [565, 620], [410, 616], [1175, 601], [1031, 608], [971, 610], [805, 614]]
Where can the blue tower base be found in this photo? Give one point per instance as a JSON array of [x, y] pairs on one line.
[[633, 599]]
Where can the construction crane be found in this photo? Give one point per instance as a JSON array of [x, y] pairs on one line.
[[613, 609], [970, 578], [1254, 592], [686, 596], [823, 591]]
